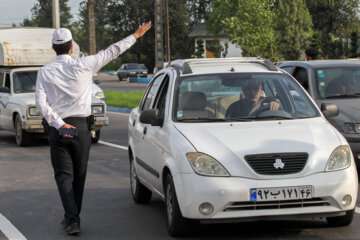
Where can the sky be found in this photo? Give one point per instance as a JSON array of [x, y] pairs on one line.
[[14, 11]]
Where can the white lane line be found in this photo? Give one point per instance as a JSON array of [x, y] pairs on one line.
[[114, 145], [357, 210], [119, 113], [9, 230]]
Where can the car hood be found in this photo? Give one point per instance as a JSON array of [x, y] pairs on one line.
[[230, 143]]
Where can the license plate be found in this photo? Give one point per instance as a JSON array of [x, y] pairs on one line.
[[280, 193]]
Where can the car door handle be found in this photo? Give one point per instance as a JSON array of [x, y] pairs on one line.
[[134, 122], [145, 130]]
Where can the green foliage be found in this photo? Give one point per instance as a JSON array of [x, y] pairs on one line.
[[293, 28], [41, 14], [354, 44], [199, 51], [123, 99], [248, 23]]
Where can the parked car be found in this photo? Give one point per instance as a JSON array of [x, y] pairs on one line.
[[211, 164], [131, 70], [19, 113], [336, 82]]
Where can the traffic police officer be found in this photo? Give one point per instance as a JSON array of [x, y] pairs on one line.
[[63, 94]]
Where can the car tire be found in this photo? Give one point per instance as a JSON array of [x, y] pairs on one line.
[[177, 225], [342, 220], [140, 193], [96, 139], [22, 138], [120, 78]]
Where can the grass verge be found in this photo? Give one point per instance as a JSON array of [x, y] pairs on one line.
[[123, 99]]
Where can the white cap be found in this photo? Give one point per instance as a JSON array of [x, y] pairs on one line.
[[61, 36]]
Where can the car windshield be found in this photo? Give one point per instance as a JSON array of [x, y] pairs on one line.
[[339, 82], [25, 82], [240, 97], [136, 66]]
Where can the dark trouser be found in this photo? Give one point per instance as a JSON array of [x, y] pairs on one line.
[[69, 158]]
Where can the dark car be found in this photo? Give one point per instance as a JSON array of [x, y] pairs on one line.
[[132, 70], [336, 82]]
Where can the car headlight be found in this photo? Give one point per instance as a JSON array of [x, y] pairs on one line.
[[100, 95], [339, 159], [34, 111], [97, 109], [206, 165]]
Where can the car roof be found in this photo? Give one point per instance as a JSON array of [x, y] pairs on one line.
[[223, 65], [324, 63]]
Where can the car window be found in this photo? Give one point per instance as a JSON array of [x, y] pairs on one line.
[[24, 82], [151, 91], [289, 69], [160, 100], [1, 79], [7, 81], [300, 74], [240, 95], [337, 82]]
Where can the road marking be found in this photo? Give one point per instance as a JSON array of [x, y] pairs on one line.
[[120, 113], [357, 210], [9, 230], [114, 145]]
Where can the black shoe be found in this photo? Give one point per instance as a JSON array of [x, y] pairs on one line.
[[73, 229], [64, 223]]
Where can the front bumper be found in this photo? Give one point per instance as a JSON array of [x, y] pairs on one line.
[[33, 125], [222, 192], [101, 121]]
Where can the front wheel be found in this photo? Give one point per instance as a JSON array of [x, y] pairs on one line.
[[177, 225], [139, 192], [22, 137], [342, 220]]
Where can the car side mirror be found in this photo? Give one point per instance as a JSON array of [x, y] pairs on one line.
[[151, 117], [329, 110], [4, 90]]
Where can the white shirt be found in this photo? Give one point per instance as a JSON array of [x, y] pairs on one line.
[[64, 87]]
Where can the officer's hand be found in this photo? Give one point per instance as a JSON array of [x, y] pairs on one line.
[[68, 126], [142, 29], [274, 106]]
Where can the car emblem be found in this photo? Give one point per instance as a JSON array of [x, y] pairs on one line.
[[278, 164]]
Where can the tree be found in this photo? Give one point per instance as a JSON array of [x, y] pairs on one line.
[[248, 23], [334, 21], [293, 27], [199, 10], [41, 14]]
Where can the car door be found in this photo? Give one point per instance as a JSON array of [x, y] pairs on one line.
[[139, 130], [156, 138], [5, 114]]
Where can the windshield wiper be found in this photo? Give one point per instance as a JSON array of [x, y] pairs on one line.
[[354, 95], [246, 119], [202, 120]]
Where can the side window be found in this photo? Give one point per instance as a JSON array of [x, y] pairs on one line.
[[160, 100], [300, 74], [150, 94], [7, 80], [1, 79], [289, 69]]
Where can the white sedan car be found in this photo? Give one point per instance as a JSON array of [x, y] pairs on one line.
[[238, 139]]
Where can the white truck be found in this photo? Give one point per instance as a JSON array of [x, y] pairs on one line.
[[22, 52]]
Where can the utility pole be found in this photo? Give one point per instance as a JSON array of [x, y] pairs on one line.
[[159, 35], [167, 32], [92, 26], [56, 13]]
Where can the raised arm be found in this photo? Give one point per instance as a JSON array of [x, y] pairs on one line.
[[48, 113], [96, 62]]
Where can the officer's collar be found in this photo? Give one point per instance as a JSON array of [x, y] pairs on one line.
[[63, 57]]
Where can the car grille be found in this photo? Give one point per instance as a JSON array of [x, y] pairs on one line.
[[277, 163], [244, 206]]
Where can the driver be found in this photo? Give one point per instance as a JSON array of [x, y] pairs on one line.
[[251, 102]]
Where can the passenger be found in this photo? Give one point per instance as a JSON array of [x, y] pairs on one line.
[[251, 102]]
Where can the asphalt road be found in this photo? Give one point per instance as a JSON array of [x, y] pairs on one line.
[[29, 200]]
